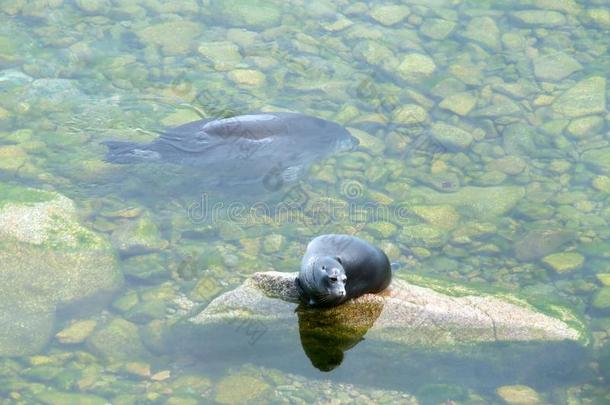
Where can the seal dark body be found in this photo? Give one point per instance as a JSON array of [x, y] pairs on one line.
[[242, 149], [336, 268]]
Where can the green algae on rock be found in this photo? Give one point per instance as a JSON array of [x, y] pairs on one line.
[[76, 332], [47, 260], [564, 262], [119, 340]]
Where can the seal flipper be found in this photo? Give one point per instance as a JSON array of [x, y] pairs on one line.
[[128, 152]]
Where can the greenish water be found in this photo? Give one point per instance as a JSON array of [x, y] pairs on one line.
[[484, 160]]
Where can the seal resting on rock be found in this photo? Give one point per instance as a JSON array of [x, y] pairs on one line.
[[336, 268], [243, 149]]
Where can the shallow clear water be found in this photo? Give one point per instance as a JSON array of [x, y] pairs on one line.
[[484, 160]]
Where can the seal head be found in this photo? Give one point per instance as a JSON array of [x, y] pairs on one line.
[[324, 283]]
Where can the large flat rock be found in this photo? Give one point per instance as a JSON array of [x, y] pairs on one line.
[[405, 314]]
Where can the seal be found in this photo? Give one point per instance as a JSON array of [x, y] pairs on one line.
[[336, 268], [245, 149]]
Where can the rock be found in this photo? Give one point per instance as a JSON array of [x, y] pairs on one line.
[[257, 14], [598, 158], [390, 14], [47, 260], [161, 375], [119, 340], [422, 235], [224, 55], [405, 314], [518, 139], [448, 87], [500, 105], [415, 67], [93, 6], [381, 229], [484, 31], [442, 216], [273, 243], [12, 157], [601, 299], [138, 236], [519, 395], [174, 37], [599, 16], [602, 183], [460, 103], [248, 77], [52, 397], [564, 262], [445, 182], [409, 114], [76, 332], [240, 389], [450, 137], [11, 78], [373, 144], [437, 28], [538, 243], [484, 203], [542, 18], [377, 54], [511, 164], [585, 126], [149, 267], [555, 66], [585, 98]]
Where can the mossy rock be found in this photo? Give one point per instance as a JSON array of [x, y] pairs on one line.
[[119, 340], [240, 389], [50, 260]]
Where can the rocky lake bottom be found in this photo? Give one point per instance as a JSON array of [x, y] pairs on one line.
[[483, 171]]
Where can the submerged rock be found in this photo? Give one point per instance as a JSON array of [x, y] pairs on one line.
[[555, 66], [404, 314], [480, 202], [541, 242], [174, 37], [416, 66], [519, 395], [484, 31], [543, 18], [390, 14], [585, 98], [249, 13], [47, 260], [451, 137]]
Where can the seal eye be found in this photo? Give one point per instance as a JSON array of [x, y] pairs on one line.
[[333, 279], [323, 267]]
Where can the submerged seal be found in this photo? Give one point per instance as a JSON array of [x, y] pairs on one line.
[[242, 149], [336, 268]]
